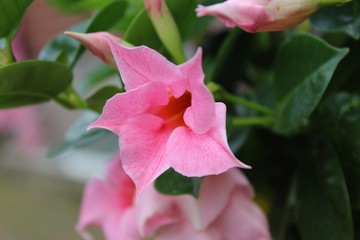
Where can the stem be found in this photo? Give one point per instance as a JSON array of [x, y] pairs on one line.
[[71, 99], [262, 121], [9, 55], [222, 94]]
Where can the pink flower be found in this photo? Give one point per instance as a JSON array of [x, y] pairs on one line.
[[166, 118], [224, 210], [261, 15]]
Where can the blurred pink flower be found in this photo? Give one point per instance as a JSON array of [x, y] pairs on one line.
[[24, 124], [261, 15], [224, 210], [166, 118]]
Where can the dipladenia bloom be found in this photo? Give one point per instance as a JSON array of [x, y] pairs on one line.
[[224, 210], [166, 118], [263, 15]]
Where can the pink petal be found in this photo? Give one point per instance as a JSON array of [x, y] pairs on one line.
[[98, 203], [155, 210], [124, 105], [200, 116], [142, 65], [248, 15], [127, 228], [243, 219], [142, 143], [192, 69], [214, 195], [97, 44], [183, 229], [198, 155]]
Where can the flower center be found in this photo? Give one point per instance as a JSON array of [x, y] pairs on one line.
[[174, 111]]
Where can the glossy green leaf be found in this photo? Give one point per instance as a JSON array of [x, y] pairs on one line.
[[97, 100], [32, 82], [103, 20], [173, 183], [323, 206], [343, 18], [304, 67], [11, 13], [76, 6]]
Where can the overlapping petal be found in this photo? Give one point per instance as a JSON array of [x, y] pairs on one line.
[[211, 154]]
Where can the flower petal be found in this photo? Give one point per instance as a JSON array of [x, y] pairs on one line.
[[200, 116], [243, 219], [99, 200], [155, 210], [198, 155], [142, 142], [142, 65], [192, 69], [124, 105]]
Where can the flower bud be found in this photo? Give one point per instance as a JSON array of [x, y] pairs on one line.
[[263, 15], [97, 44]]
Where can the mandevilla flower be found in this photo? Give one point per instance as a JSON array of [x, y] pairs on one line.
[[166, 118], [224, 210], [263, 15]]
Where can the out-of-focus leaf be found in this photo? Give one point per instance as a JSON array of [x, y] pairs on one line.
[[339, 118], [173, 183], [142, 32], [97, 100], [77, 136], [11, 13], [323, 205], [304, 67], [95, 76], [103, 20], [77, 6], [344, 18], [32, 82]]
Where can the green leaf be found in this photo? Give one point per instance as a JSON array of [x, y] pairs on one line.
[[77, 136], [339, 118], [142, 32], [103, 20], [11, 13], [97, 100], [173, 183], [323, 206], [304, 67], [344, 18], [32, 82]]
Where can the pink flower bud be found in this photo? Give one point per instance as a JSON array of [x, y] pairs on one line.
[[97, 44], [262, 15]]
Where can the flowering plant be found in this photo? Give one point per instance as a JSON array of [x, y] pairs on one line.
[[277, 89]]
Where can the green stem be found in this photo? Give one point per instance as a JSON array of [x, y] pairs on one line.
[[71, 99], [223, 95], [262, 121], [9, 56]]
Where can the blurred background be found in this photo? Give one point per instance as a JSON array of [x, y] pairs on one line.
[[41, 189]]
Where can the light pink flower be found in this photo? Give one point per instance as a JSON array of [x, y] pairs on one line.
[[166, 118], [224, 210], [261, 15]]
